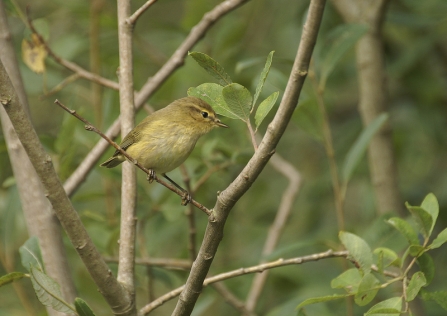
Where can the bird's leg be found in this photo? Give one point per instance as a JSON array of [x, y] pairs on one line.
[[186, 198], [151, 175]]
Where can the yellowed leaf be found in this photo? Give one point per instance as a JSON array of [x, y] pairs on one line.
[[34, 54]]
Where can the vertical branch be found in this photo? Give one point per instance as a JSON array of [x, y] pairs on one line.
[[228, 198], [191, 216], [128, 187]]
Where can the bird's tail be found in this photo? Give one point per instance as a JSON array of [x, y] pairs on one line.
[[112, 162]]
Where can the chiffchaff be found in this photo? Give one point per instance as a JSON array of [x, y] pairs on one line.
[[164, 139]]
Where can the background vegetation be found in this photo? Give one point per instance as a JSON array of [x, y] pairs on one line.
[[414, 36]]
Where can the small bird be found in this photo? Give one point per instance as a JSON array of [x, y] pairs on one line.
[[165, 138]]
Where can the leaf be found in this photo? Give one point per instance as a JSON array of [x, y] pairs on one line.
[[348, 35], [265, 107], [359, 250], [263, 77], [212, 67], [212, 93], [425, 262], [368, 289], [431, 206], [11, 277], [359, 147], [30, 254], [321, 299], [387, 257], [405, 229], [34, 54], [82, 307], [416, 250], [439, 240], [48, 291], [238, 100], [416, 283], [348, 280], [440, 297], [389, 307], [423, 219]]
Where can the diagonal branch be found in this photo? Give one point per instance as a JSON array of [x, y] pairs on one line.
[[228, 198], [134, 17], [152, 84]]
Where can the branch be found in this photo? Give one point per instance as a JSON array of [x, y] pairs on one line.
[[111, 289], [243, 271], [90, 127], [153, 83], [168, 263], [277, 227], [134, 17], [126, 266], [228, 198]]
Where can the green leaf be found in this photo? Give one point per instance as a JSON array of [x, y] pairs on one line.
[[439, 240], [30, 253], [387, 257], [416, 250], [425, 262], [405, 229], [82, 308], [321, 299], [416, 283], [348, 280], [368, 289], [422, 218], [359, 250], [356, 152], [389, 307], [431, 206], [238, 99], [212, 93], [347, 36], [440, 297], [48, 291], [212, 67], [265, 107], [11, 277], [262, 78]]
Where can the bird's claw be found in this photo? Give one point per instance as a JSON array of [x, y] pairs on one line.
[[151, 176], [186, 198]]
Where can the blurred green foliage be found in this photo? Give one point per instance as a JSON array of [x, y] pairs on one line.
[[416, 56]]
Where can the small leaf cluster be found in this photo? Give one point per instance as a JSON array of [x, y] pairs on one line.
[[47, 290], [377, 269], [231, 99]]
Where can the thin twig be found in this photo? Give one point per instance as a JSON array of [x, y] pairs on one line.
[[134, 17], [90, 127], [61, 85], [243, 271], [252, 135], [231, 299]]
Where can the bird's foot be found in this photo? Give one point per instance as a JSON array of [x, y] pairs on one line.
[[186, 198], [151, 176]]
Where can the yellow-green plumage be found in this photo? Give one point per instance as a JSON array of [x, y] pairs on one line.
[[164, 139]]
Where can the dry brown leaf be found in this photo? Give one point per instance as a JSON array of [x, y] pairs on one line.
[[34, 54]]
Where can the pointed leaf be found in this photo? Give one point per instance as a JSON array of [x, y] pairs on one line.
[[265, 107], [348, 34], [405, 229], [422, 218], [439, 297], [431, 206], [439, 240], [212, 93], [30, 253], [348, 280], [425, 262], [321, 299], [212, 67], [262, 78], [358, 249], [238, 100], [82, 308], [417, 281], [358, 149], [416, 250], [368, 288], [11, 277], [389, 307], [48, 291], [387, 257]]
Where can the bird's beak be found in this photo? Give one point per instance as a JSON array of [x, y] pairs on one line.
[[219, 123]]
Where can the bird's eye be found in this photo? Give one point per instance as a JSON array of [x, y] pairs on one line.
[[205, 114]]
